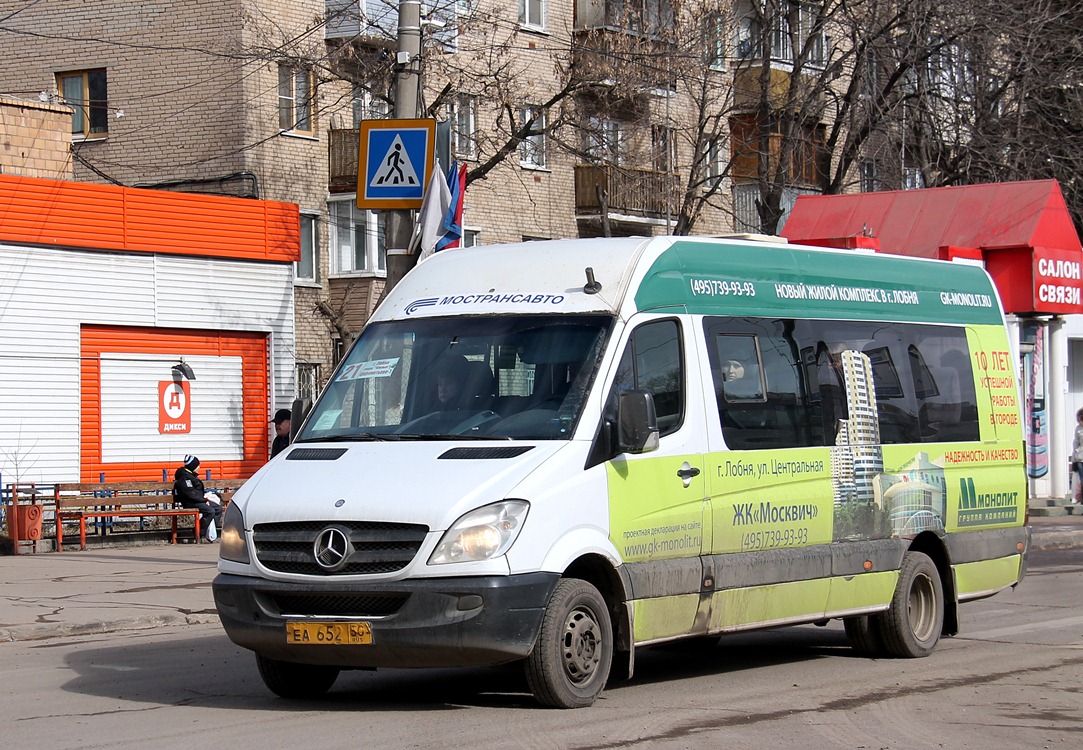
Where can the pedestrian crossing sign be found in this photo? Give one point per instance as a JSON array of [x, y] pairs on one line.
[[395, 161]]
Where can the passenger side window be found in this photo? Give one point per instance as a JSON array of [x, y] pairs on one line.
[[758, 386], [652, 362], [949, 408], [791, 383]]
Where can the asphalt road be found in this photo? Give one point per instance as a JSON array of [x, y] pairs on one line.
[[1010, 680]]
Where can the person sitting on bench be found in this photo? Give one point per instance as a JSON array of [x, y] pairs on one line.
[[188, 491]]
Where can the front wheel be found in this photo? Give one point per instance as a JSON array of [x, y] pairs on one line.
[[911, 626], [569, 665], [864, 635], [291, 680]]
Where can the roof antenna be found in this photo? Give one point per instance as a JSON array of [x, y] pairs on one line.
[[592, 286]]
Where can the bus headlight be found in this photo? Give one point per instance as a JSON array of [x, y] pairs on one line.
[[233, 545], [481, 534]]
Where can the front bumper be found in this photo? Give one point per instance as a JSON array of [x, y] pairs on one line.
[[433, 622]]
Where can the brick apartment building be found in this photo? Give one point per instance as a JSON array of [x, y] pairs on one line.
[[262, 99]]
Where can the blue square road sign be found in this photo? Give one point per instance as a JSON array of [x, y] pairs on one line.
[[395, 162]]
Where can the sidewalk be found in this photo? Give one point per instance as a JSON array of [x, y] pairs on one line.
[[50, 595], [55, 594]]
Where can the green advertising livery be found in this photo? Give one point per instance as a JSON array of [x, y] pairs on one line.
[[755, 280], [557, 453]]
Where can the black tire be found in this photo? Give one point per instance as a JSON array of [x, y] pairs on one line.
[[911, 626], [864, 635], [290, 680], [570, 663]]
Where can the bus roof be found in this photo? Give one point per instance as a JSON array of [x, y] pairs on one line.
[[716, 277], [736, 277]]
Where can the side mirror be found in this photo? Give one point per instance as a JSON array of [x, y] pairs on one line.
[[637, 424], [301, 408]]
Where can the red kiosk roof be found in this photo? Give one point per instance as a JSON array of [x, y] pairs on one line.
[[1021, 230]]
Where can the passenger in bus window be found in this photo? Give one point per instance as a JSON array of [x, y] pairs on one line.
[[740, 380], [732, 370]]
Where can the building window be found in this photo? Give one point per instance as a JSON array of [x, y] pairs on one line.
[[663, 155], [642, 17], [747, 45], [870, 177], [295, 100], [532, 13], [604, 141], [357, 239], [781, 20], [715, 166], [913, 179], [308, 380], [532, 147], [368, 107], [714, 33], [308, 267], [463, 115], [86, 93], [471, 238]]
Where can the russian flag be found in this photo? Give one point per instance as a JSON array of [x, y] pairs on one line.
[[453, 221]]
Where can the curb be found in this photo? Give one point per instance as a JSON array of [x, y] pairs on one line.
[[43, 632], [1056, 540]]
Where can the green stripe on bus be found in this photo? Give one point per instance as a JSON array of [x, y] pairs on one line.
[[756, 280]]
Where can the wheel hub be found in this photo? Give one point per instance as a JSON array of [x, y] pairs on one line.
[[582, 649]]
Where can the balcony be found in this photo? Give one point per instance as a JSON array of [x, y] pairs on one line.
[[342, 160], [636, 192], [606, 54]]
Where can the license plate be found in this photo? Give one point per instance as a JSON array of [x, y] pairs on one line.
[[329, 633]]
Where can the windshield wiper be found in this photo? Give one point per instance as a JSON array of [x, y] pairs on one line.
[[353, 437], [438, 436]]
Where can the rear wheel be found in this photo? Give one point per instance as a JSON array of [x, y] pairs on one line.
[[864, 635], [291, 680], [911, 626], [570, 663]]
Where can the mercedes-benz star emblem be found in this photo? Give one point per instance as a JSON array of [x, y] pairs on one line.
[[332, 548]]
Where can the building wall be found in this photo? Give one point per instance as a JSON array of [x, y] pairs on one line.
[[35, 139], [192, 89], [172, 84], [48, 294]]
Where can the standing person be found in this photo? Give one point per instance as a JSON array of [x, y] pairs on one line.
[[1077, 457], [282, 431], [189, 492]]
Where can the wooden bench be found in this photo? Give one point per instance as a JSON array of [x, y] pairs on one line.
[[78, 501]]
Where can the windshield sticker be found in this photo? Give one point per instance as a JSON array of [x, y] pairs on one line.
[[327, 420], [488, 298], [374, 368]]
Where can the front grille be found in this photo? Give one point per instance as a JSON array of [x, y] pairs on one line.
[[330, 605], [378, 547]]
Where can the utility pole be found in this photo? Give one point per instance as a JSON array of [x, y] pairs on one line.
[[399, 226]]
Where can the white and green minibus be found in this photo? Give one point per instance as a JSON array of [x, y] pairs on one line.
[[556, 453]]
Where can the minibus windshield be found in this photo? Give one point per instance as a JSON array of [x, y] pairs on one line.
[[485, 377]]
